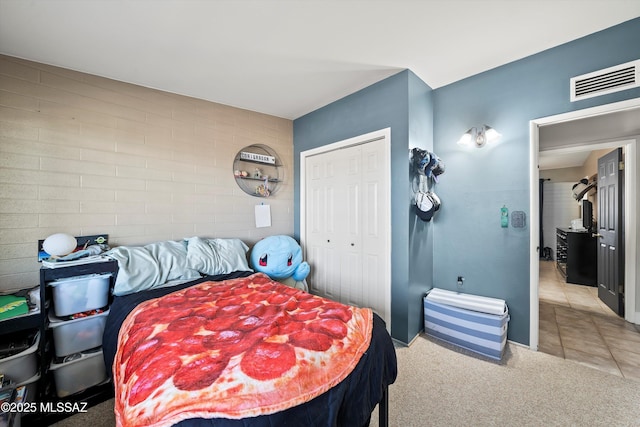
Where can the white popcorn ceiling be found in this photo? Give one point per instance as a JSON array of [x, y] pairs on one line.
[[287, 58]]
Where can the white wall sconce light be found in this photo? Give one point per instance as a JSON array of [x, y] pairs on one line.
[[479, 136]]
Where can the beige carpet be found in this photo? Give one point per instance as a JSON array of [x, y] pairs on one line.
[[439, 385]]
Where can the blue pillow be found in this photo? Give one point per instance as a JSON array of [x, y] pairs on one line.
[[146, 267], [217, 256]]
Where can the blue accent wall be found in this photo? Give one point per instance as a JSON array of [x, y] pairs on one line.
[[403, 103], [468, 238], [465, 237], [420, 232]]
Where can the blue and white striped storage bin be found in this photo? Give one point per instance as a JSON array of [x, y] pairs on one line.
[[473, 322]]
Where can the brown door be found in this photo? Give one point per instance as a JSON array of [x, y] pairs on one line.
[[610, 233]]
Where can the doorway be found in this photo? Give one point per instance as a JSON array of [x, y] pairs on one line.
[[609, 111], [580, 254], [575, 324]]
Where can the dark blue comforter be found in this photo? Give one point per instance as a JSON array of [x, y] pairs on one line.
[[348, 404]]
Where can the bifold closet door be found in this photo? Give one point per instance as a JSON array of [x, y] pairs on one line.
[[346, 220], [350, 240], [322, 222], [375, 223]]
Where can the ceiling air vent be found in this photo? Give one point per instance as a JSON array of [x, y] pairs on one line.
[[613, 79]]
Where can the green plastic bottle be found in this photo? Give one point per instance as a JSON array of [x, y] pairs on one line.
[[504, 216]]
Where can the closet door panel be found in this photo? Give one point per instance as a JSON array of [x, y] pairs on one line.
[[324, 277], [346, 223], [351, 201], [373, 274], [374, 237], [351, 279], [351, 244]]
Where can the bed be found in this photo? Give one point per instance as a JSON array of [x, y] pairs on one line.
[[239, 349]]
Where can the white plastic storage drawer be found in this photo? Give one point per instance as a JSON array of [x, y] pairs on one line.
[[31, 386], [74, 336], [81, 293], [22, 366], [30, 393], [79, 373]]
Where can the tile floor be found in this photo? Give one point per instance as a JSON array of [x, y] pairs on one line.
[[576, 325]]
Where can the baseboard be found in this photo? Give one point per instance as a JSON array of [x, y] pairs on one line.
[[519, 344]]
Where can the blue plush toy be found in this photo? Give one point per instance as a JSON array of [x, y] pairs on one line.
[[280, 258]]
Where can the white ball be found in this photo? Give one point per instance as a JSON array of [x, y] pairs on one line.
[[59, 244]]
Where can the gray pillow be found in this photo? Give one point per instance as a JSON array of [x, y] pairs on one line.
[[146, 267], [217, 256]]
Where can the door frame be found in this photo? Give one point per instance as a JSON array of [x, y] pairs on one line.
[[630, 221], [385, 175]]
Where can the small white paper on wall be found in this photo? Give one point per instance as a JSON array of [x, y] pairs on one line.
[[263, 216]]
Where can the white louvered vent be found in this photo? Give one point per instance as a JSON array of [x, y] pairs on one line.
[[613, 79]]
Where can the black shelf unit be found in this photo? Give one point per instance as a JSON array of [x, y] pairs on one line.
[[31, 320], [49, 274], [34, 320], [46, 389], [576, 256]]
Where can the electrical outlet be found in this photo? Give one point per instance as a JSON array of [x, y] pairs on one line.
[[460, 280]]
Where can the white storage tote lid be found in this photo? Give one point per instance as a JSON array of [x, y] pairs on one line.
[[477, 303]]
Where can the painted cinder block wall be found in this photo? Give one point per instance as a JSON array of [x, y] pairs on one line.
[[86, 155]]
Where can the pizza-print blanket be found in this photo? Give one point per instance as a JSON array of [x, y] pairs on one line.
[[238, 348]]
